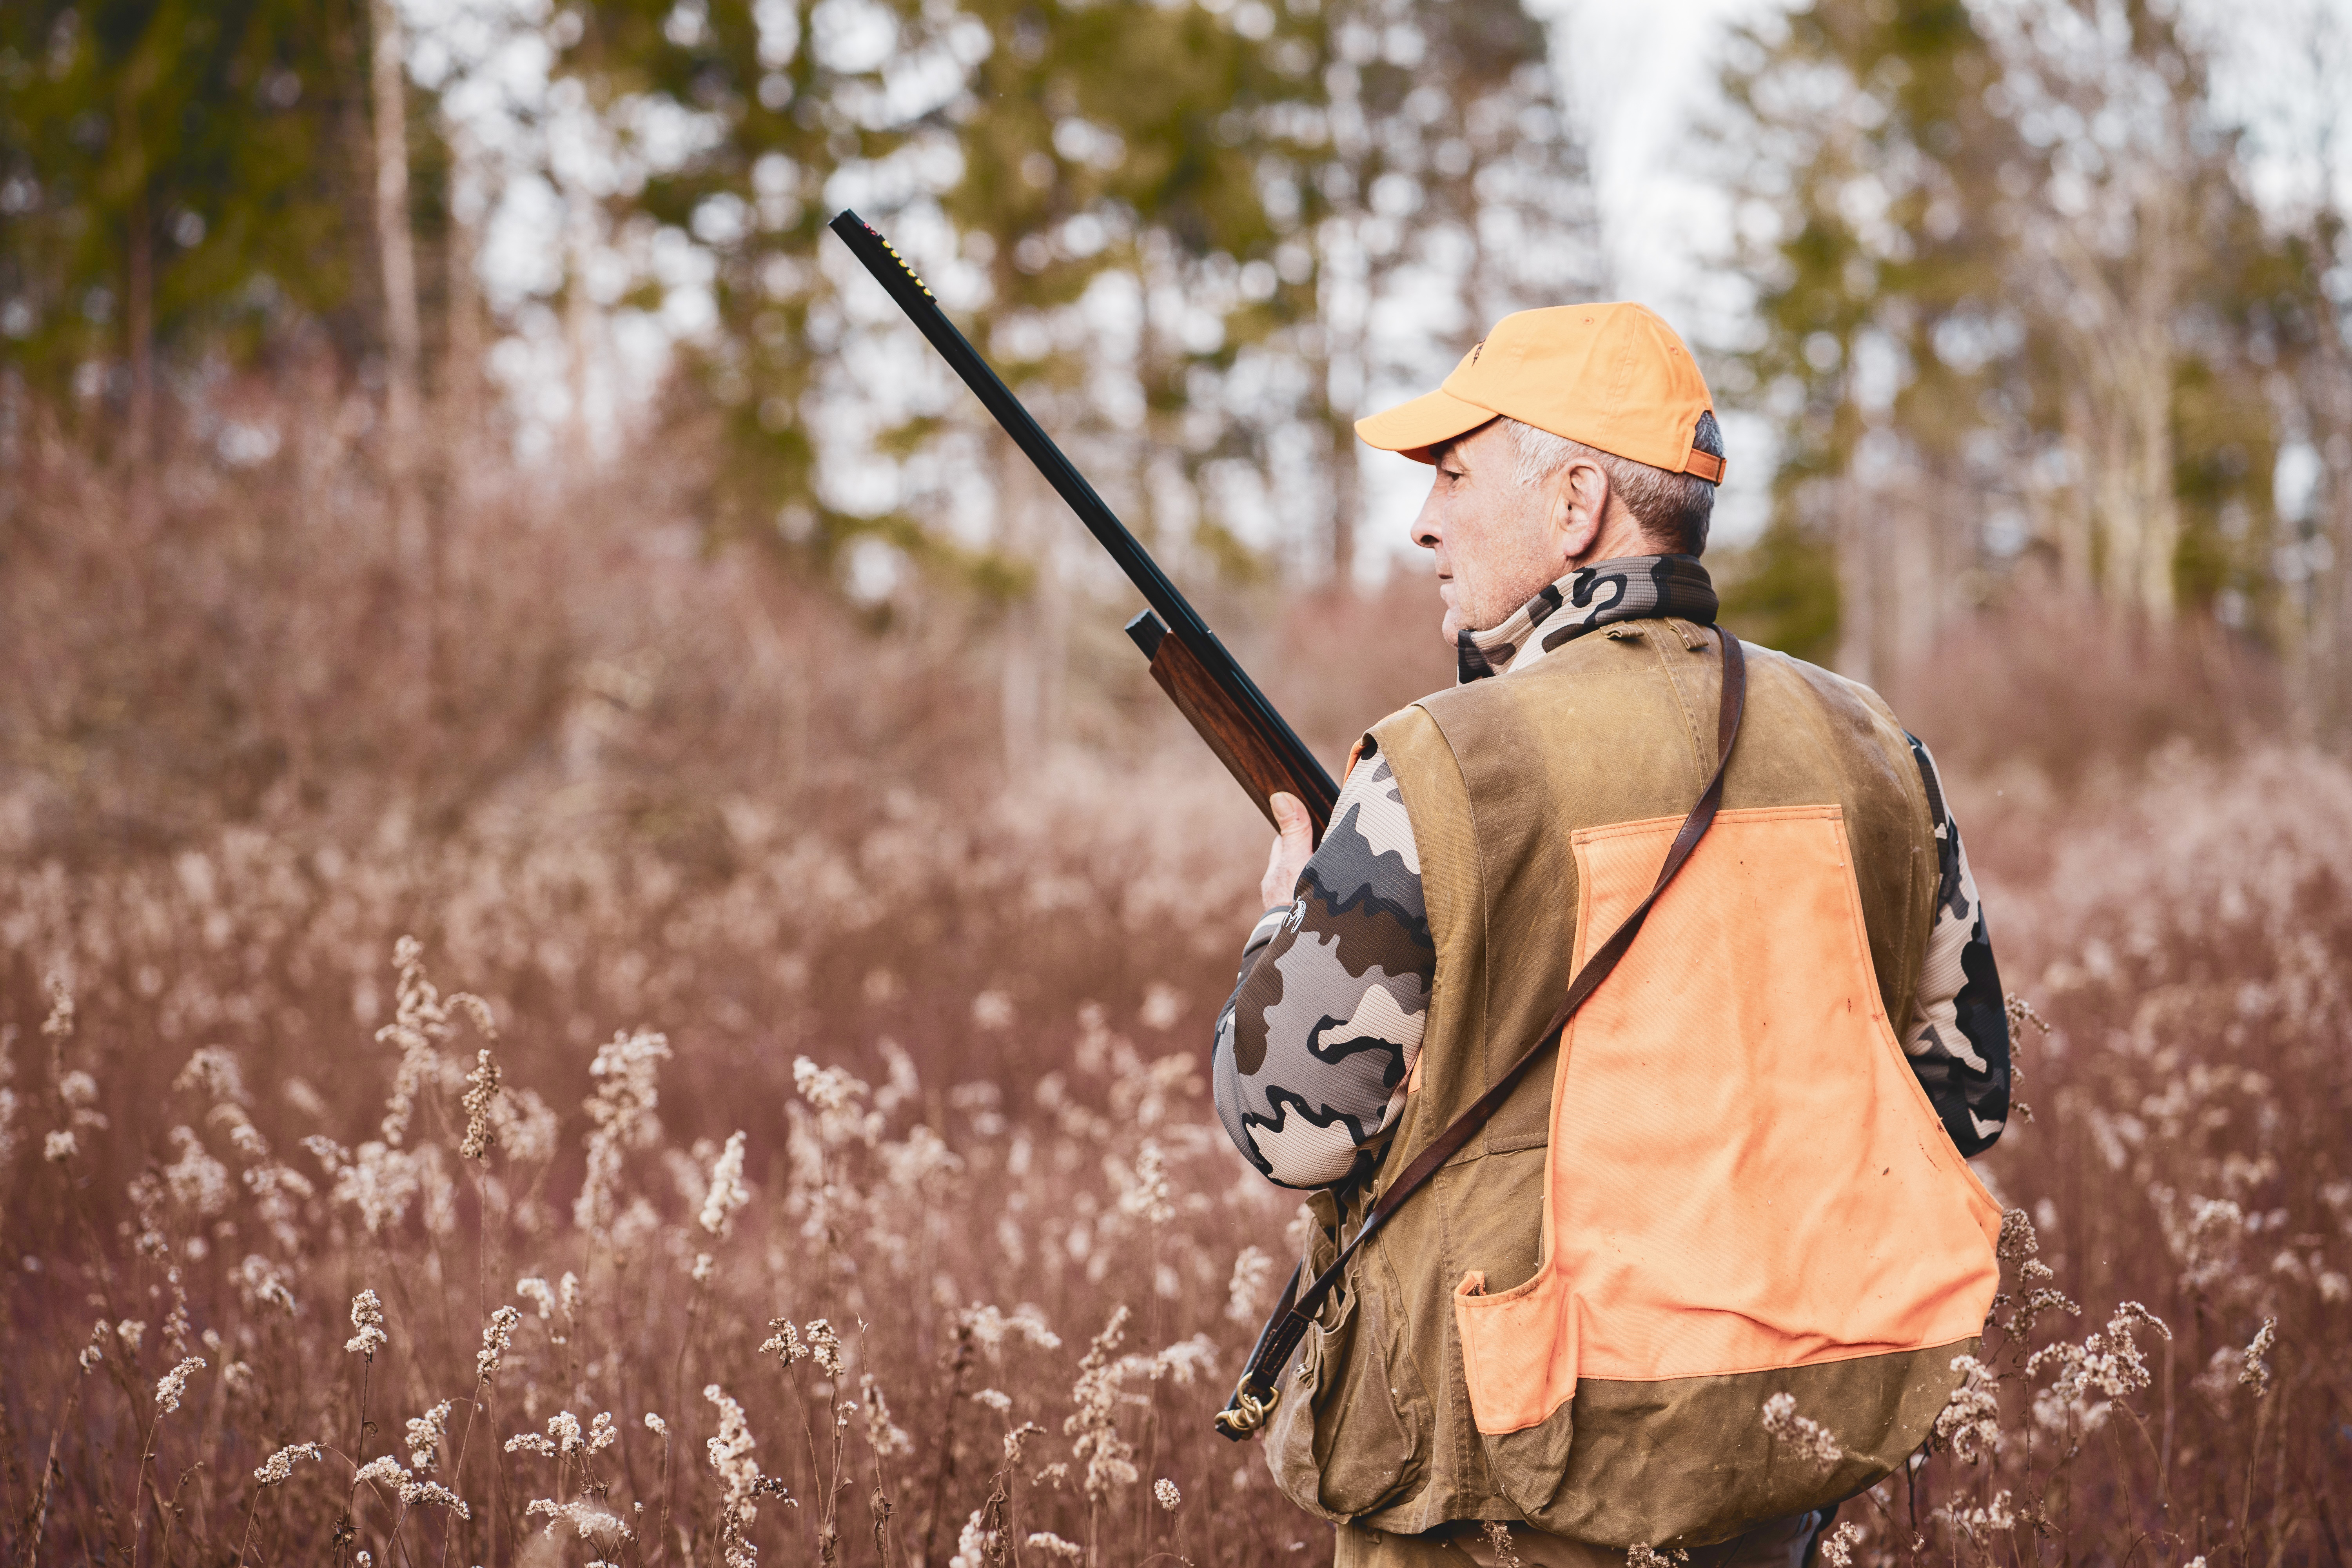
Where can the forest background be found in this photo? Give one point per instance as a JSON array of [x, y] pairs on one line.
[[450, 486]]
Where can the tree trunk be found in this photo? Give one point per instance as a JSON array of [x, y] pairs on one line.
[[139, 322], [1347, 485], [396, 257], [2327, 635], [591, 418], [395, 243], [461, 382], [1036, 629], [1862, 581], [1341, 381]]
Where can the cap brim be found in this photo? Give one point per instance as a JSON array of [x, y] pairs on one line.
[[1414, 428]]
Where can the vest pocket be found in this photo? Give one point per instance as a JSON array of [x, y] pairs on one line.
[[1518, 1364], [1338, 1444], [1519, 1350]]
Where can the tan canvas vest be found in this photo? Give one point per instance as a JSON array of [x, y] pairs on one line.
[[1726, 1184]]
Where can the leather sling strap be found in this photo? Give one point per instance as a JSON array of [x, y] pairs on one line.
[[1257, 1394]]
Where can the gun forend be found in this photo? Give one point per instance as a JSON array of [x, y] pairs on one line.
[[1257, 765]]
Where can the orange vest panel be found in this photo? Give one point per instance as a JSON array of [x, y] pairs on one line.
[[1743, 1173]]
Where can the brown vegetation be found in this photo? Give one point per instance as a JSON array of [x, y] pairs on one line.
[[838, 1090]]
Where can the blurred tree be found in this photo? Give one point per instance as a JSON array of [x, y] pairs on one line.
[[2303, 55], [1111, 173], [1444, 188], [743, 111], [388, 90], [2147, 270], [174, 177], [1168, 224], [1253, 184], [2015, 304], [1869, 167]]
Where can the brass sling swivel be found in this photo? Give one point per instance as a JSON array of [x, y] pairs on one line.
[[1241, 1419]]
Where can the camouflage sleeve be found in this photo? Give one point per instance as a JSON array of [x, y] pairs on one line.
[[1958, 1037], [1313, 1049]]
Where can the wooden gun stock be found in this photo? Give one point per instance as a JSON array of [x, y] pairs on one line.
[[1255, 763]]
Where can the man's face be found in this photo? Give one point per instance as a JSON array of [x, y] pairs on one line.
[[1497, 543]]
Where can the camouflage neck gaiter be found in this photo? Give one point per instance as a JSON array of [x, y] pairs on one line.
[[1636, 588]]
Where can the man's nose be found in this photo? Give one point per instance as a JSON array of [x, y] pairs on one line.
[[1425, 531]]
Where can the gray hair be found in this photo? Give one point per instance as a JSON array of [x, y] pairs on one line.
[[1673, 509]]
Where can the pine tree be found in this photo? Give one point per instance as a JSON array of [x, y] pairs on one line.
[[175, 179]]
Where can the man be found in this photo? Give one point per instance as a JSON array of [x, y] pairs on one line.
[[1743, 1174]]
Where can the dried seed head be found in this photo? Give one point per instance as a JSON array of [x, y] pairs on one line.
[[783, 1343], [434, 1494], [58, 1027], [383, 1467], [481, 1101], [259, 1283], [281, 1465], [976, 1544], [1017, 1439], [728, 1193], [1810, 1438], [497, 1338], [2257, 1373], [2017, 1238], [1253, 1266], [2020, 1013], [1146, 1197], [825, 1346], [739, 1473], [367, 1317], [174, 1382], [885, 1436], [1165, 1490], [622, 1111], [425, 1434], [1970, 1423]]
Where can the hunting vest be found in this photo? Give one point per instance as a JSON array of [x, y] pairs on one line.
[[1724, 1184]]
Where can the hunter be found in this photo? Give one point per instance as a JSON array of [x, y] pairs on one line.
[[1705, 1271]]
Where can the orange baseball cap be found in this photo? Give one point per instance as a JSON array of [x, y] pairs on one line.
[[1614, 377]]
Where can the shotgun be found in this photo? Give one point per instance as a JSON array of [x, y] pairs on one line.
[[1208, 685]]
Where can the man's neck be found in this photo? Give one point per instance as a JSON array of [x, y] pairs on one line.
[[1626, 588], [1621, 538]]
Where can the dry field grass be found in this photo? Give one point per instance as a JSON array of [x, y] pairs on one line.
[[787, 1137]]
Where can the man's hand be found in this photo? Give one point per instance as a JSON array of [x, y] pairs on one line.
[[1290, 851]]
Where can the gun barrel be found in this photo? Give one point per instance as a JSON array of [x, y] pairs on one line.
[[1283, 751]]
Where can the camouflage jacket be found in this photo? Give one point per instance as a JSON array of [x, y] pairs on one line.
[[1313, 1050]]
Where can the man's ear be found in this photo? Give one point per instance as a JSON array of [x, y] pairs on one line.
[[1580, 505]]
